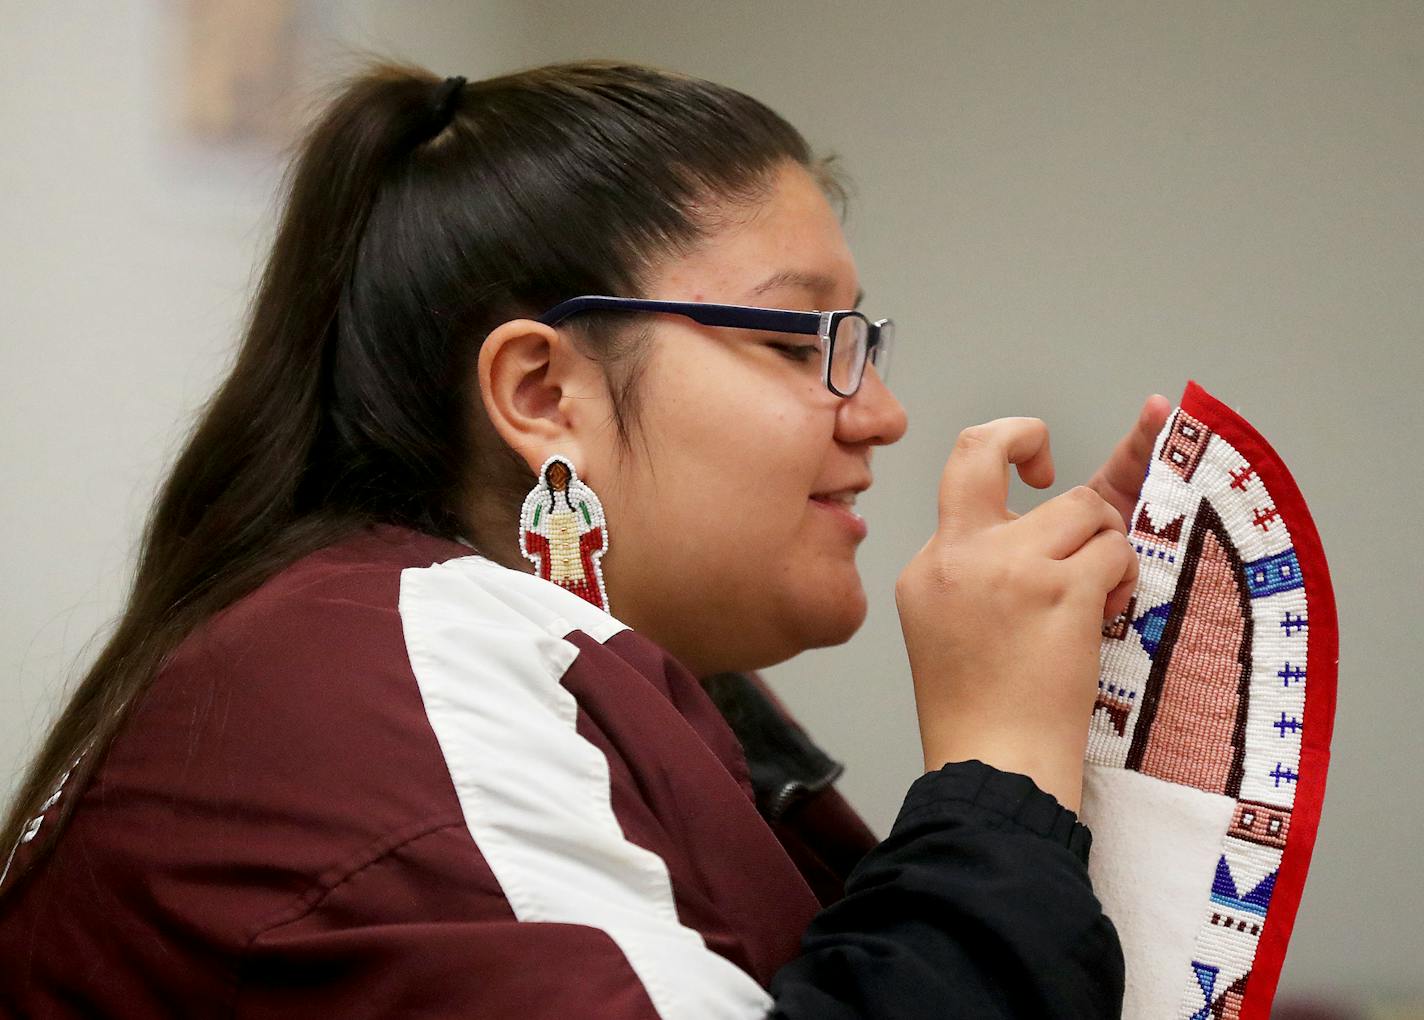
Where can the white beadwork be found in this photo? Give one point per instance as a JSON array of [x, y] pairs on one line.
[[576, 510]]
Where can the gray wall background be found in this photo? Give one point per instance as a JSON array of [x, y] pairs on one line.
[[1065, 207]]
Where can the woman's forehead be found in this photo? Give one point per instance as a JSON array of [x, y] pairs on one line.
[[799, 279], [789, 247], [820, 276]]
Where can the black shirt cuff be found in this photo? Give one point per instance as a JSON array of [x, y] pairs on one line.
[[999, 798]]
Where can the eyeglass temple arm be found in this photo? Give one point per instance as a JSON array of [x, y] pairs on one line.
[[737, 316]]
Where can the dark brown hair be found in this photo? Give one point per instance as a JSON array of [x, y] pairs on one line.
[[404, 239]]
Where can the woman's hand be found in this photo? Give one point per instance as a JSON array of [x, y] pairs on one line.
[[1119, 481], [1002, 614]]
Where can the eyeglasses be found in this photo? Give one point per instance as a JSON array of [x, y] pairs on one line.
[[847, 338]]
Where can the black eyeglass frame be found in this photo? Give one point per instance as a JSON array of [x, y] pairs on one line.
[[824, 325]]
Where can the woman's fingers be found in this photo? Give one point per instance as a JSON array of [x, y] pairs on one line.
[[974, 488], [1119, 480], [1119, 597], [1108, 560], [1061, 526]]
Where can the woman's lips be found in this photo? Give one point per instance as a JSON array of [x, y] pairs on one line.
[[844, 515]]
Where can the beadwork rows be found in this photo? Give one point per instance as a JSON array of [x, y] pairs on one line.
[[1205, 678]]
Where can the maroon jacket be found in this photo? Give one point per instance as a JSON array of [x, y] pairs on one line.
[[400, 779]]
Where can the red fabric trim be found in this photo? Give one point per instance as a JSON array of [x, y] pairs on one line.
[[1322, 662]]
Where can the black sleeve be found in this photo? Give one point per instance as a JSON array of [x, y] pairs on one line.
[[977, 905]]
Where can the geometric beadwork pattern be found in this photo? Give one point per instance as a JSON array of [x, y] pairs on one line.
[[563, 532], [1229, 686]]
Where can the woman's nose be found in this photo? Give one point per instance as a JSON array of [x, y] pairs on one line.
[[872, 414]]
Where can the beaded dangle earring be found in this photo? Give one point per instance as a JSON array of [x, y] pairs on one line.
[[562, 531]]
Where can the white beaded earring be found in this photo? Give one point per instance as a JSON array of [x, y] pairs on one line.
[[562, 531]]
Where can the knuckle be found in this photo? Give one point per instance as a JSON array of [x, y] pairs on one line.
[[1036, 428], [1021, 574], [905, 584], [944, 572], [1056, 585], [973, 437], [1002, 573], [1085, 496], [1129, 553], [934, 569]]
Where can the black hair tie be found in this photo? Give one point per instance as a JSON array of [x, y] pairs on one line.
[[442, 104]]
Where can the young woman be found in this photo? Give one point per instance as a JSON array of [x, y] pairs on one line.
[[436, 692]]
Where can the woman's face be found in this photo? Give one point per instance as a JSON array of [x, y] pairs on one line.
[[717, 550]]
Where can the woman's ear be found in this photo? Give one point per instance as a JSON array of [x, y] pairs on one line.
[[539, 392]]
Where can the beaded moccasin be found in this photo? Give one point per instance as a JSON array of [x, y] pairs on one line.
[[1211, 733]]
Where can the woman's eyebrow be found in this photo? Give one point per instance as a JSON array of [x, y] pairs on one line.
[[797, 278]]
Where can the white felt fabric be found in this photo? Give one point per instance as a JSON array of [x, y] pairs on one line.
[[1155, 849]]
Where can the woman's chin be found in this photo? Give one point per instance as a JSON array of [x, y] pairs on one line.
[[818, 625], [853, 624], [838, 619]]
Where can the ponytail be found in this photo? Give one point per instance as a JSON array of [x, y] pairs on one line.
[[230, 512]]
